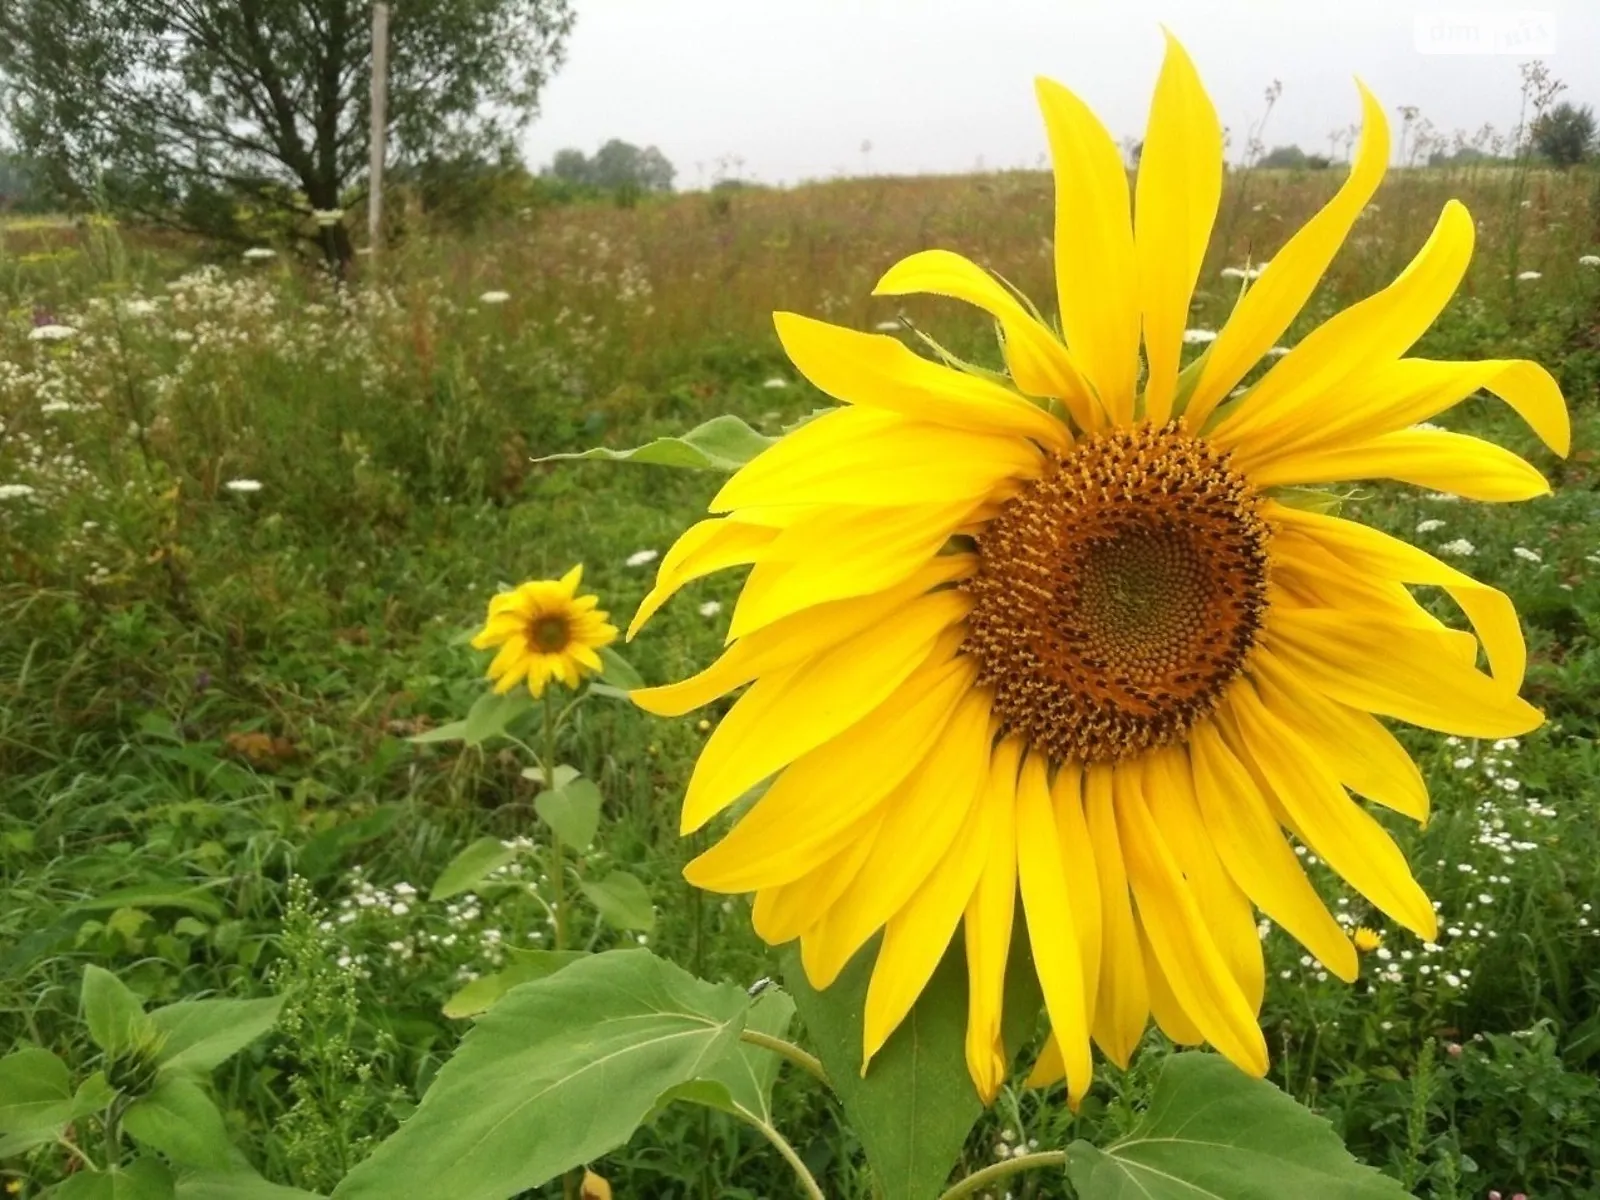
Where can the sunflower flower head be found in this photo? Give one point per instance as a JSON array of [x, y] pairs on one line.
[[1366, 940], [1073, 635], [544, 631]]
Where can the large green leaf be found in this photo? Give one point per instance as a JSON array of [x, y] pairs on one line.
[[200, 1035], [115, 1015], [471, 867], [556, 1074], [916, 1105], [1213, 1133], [35, 1086], [622, 901], [487, 718], [479, 996], [572, 810], [723, 443], [742, 1080], [180, 1120], [155, 895], [237, 1185], [142, 1179]]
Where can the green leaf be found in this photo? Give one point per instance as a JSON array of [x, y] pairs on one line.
[[916, 1105], [622, 901], [572, 810], [526, 966], [182, 1122], [745, 1077], [563, 775], [618, 671], [155, 896], [237, 1185], [487, 718], [319, 856], [142, 1179], [723, 443], [1213, 1133], [558, 1073], [471, 867], [202, 1034], [35, 1085], [114, 1014]]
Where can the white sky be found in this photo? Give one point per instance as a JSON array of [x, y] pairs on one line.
[[794, 87]]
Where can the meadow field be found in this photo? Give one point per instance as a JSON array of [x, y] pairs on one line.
[[249, 519]]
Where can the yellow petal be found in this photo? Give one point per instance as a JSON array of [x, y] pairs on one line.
[[1122, 1005], [921, 819], [1431, 458], [1369, 551], [1334, 825], [1169, 795], [1175, 202], [874, 371], [838, 553], [1363, 754], [868, 457], [784, 715], [1083, 883], [1165, 1006], [1180, 936], [1049, 1067], [1039, 364], [702, 548], [1248, 841], [799, 636], [821, 795], [785, 912], [1378, 329], [1370, 665], [916, 937], [1096, 273], [987, 926], [570, 581], [1047, 901], [1275, 299]]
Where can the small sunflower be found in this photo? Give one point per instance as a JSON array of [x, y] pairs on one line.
[[545, 631], [1071, 634], [1367, 940]]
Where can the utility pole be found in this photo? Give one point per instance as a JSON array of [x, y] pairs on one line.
[[380, 125]]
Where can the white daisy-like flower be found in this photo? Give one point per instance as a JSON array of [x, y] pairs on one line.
[[1199, 337], [1460, 548], [775, 382], [1589, 260], [259, 254], [243, 485], [1529, 275], [1527, 555], [139, 307], [14, 491], [52, 333], [494, 297], [710, 608], [640, 557]]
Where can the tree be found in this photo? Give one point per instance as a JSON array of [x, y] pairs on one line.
[[1565, 134], [187, 110], [1284, 157], [617, 167]]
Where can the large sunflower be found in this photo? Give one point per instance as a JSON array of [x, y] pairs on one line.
[[1074, 637]]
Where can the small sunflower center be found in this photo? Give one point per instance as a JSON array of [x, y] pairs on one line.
[[1119, 594], [550, 633]]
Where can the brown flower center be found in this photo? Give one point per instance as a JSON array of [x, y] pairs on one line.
[[550, 634], [1119, 594]]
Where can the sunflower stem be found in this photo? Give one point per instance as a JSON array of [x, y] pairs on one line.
[[809, 1063], [999, 1170], [808, 1182], [558, 864]]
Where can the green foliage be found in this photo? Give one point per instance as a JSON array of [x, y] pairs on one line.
[[723, 443], [1565, 135]]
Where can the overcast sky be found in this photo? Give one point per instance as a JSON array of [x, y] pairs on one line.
[[795, 87]]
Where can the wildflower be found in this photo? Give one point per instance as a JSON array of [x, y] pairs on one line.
[[1459, 548], [1112, 708], [51, 333], [259, 254], [710, 608], [15, 491], [243, 486], [1277, 351], [775, 383], [1527, 555], [545, 631], [888, 326], [326, 218], [493, 298], [1529, 276], [1589, 260], [1199, 337], [1429, 525], [640, 557], [1367, 940]]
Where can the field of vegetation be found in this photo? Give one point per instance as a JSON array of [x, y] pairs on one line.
[[249, 519]]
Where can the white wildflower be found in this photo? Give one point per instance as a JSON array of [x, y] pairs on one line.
[[1527, 555], [259, 254], [640, 557], [1199, 337], [494, 298], [775, 383], [1589, 260], [1529, 276], [14, 491], [1460, 548], [887, 326], [52, 333], [327, 217], [710, 608], [243, 486], [1429, 525], [1277, 351]]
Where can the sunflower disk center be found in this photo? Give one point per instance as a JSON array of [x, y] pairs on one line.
[[1119, 594], [550, 634]]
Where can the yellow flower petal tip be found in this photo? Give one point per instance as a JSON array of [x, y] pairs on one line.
[[1049, 635], [543, 631]]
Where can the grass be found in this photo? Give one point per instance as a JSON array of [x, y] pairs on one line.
[[205, 691]]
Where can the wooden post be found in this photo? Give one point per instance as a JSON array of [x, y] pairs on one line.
[[380, 125]]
